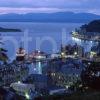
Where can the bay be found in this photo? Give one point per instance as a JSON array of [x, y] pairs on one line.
[[47, 37]]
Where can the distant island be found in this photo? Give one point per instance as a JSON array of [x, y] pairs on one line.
[[9, 30], [59, 17]]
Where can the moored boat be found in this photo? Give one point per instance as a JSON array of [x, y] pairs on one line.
[[38, 55], [20, 55]]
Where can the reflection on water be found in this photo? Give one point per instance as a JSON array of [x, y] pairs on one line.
[[36, 68], [39, 67]]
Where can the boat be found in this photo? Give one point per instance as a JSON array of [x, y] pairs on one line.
[[20, 54], [38, 55]]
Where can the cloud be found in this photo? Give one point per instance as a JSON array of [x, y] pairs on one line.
[[39, 3], [50, 5], [5, 10]]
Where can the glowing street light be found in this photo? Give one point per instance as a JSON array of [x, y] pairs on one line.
[[92, 54], [75, 53], [27, 96], [67, 86], [19, 82], [62, 53]]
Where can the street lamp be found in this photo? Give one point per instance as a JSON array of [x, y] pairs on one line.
[[27, 96]]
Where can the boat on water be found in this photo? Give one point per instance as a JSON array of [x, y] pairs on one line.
[[38, 55], [20, 54]]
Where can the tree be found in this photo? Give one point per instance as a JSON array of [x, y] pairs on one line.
[[91, 75], [3, 55]]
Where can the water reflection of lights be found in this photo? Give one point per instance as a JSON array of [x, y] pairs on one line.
[[34, 69], [91, 42], [39, 68]]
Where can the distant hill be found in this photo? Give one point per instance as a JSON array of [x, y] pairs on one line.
[[49, 17], [93, 26]]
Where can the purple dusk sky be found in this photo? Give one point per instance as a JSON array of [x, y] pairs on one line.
[[49, 6]]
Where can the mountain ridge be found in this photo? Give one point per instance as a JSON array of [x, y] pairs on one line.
[[49, 17]]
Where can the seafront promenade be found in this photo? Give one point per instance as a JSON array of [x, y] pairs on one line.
[[90, 36]]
